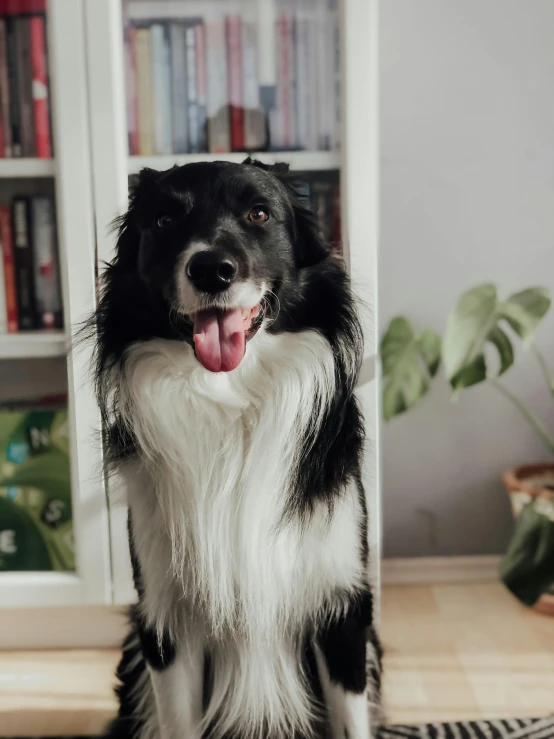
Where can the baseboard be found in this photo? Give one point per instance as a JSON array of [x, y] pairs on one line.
[[429, 570]]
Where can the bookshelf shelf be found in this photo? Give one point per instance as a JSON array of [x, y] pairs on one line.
[[27, 168], [302, 161], [34, 344]]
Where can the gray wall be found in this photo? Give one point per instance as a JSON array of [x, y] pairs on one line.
[[467, 127]]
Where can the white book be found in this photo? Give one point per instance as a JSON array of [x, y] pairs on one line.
[[161, 83]]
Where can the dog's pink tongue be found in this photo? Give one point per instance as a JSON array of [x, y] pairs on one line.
[[219, 339]]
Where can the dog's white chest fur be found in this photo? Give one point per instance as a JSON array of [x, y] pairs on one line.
[[218, 458]]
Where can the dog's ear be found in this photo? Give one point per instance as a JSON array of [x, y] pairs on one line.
[[128, 234], [279, 168]]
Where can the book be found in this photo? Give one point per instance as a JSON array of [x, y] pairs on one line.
[[179, 87], [6, 147], [161, 86], [24, 270], [335, 87], [192, 98], [45, 263], [302, 102], [233, 33], [143, 56], [254, 119], [43, 146], [18, 7], [13, 87], [217, 103], [285, 125], [325, 76], [130, 84], [3, 302], [314, 90], [200, 48], [8, 263], [25, 85]]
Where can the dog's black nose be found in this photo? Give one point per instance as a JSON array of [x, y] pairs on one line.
[[212, 271]]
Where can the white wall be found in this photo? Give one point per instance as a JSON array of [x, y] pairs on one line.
[[467, 127]]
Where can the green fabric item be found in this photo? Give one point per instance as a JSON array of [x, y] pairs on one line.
[[527, 568]]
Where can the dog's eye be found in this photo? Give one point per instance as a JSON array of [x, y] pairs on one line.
[[258, 215], [164, 221]]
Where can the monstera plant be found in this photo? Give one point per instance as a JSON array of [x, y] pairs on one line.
[[479, 345]]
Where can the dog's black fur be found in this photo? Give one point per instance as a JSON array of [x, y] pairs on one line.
[[309, 290]]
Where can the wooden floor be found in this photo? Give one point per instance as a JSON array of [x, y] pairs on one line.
[[464, 652], [452, 652]]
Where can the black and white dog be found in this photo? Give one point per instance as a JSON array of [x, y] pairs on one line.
[[227, 356]]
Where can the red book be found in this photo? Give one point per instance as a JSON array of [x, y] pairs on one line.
[[17, 7], [233, 32], [40, 89], [6, 239]]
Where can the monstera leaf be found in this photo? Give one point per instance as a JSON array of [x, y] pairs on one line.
[[408, 361], [479, 318]]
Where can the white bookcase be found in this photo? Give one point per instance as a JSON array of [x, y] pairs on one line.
[[90, 174]]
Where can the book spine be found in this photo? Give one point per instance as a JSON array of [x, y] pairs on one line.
[[13, 86], [161, 79], [192, 99], [217, 104], [131, 86], [8, 263], [179, 87], [25, 83], [335, 97], [6, 143], [144, 91], [302, 102], [325, 66], [40, 88], [200, 43], [289, 115], [314, 90], [3, 301], [285, 76], [24, 271], [45, 263], [254, 122], [233, 29], [19, 7]]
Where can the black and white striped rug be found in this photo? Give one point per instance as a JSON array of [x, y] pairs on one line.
[[521, 728]]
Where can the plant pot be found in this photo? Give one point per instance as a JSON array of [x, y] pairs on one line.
[[524, 484]]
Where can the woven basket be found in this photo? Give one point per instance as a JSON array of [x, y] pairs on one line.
[[526, 483]]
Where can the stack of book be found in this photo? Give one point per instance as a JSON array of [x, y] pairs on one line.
[[30, 294], [24, 109], [212, 84]]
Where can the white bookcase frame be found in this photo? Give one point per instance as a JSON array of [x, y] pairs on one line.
[[91, 583], [91, 171]]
